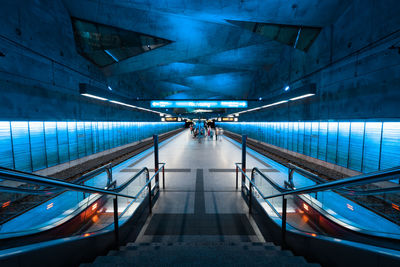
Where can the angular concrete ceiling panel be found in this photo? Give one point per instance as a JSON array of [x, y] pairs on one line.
[[208, 57]]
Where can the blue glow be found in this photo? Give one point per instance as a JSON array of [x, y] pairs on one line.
[[35, 145], [360, 146], [287, 88], [111, 55], [198, 104]]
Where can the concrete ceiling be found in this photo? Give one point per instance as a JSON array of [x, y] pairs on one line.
[[208, 58]]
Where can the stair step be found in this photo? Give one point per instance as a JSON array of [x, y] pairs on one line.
[[259, 252], [196, 244], [105, 261], [200, 254]]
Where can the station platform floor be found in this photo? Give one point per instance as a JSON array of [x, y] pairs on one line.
[[200, 201]]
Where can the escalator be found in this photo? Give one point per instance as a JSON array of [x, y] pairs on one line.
[[70, 213], [316, 215], [95, 213]]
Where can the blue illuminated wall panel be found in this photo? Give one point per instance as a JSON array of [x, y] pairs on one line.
[[72, 140], [62, 141], [343, 144], [322, 140], [6, 153], [314, 139], [21, 147], [372, 146], [390, 154], [361, 146], [50, 131], [332, 141], [356, 145], [38, 151], [35, 145]]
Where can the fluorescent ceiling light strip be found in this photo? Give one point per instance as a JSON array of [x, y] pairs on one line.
[[132, 106], [300, 97], [274, 104], [121, 103], [96, 97]]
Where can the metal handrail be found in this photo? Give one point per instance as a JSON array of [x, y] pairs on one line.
[[315, 178], [147, 184], [252, 184], [47, 191], [362, 179], [46, 181], [91, 174]]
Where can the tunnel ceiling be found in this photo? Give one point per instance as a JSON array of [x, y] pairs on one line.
[[104, 45], [204, 49]]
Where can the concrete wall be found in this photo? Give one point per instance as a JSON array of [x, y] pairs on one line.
[[356, 72], [40, 70]]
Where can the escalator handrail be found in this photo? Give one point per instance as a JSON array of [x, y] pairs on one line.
[[46, 181], [48, 190], [362, 179], [114, 191], [349, 191]]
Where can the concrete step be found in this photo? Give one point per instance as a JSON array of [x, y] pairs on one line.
[[196, 244], [200, 254]]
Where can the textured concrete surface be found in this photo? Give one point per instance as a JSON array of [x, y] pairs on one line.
[[353, 61]]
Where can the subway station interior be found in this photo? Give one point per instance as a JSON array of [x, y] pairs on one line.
[[200, 133]]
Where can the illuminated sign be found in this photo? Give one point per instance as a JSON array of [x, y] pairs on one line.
[[171, 119], [198, 104], [228, 119]]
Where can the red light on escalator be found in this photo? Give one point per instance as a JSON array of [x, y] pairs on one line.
[[350, 207], [50, 206], [85, 235], [314, 235], [95, 218], [305, 206], [5, 204], [396, 207]]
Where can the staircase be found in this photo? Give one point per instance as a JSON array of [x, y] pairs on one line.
[[200, 254]]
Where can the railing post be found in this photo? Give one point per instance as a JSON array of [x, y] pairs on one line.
[[244, 140], [284, 208], [163, 176], [116, 227], [109, 175], [149, 187], [237, 176], [250, 195], [156, 165], [290, 177]]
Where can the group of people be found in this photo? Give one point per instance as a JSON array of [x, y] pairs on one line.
[[198, 130]]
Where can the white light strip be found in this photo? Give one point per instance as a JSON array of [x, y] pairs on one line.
[[273, 104], [124, 104], [302, 96], [96, 97], [132, 106]]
